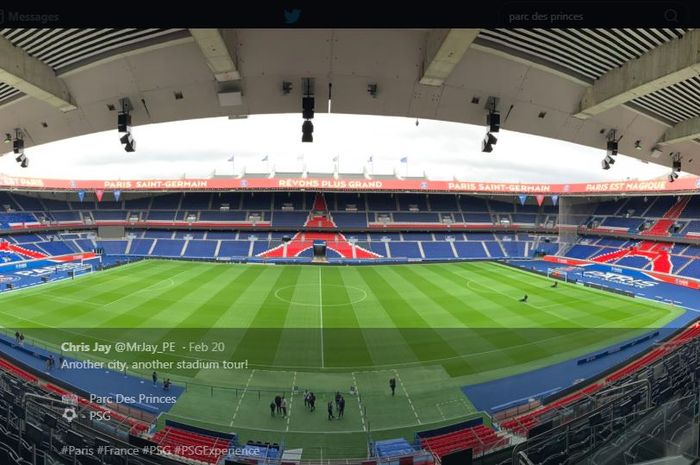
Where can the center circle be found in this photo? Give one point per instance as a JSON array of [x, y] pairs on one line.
[[314, 295]]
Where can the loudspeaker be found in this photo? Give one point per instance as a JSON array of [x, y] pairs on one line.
[[307, 105], [123, 122], [493, 121]]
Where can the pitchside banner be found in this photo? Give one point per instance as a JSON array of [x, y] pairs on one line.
[[623, 276], [686, 184]]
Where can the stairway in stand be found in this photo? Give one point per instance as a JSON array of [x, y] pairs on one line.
[[657, 253], [319, 217]]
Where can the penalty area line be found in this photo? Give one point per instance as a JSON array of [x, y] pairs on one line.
[[403, 386], [240, 400], [291, 400], [359, 401], [320, 310]]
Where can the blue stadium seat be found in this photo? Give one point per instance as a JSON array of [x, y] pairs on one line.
[[57, 248], [439, 250], [406, 201], [692, 270], [402, 217], [294, 199], [200, 249], [215, 235], [381, 202], [162, 215], [289, 219], [109, 215], [158, 234], [195, 201], [234, 249], [216, 215], [411, 236], [350, 220], [470, 249], [582, 251], [443, 203], [404, 249], [168, 248], [166, 202], [113, 247], [140, 246]]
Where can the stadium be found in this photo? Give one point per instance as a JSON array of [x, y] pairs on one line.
[[310, 316]]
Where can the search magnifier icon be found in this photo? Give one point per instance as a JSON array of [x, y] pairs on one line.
[[671, 15]]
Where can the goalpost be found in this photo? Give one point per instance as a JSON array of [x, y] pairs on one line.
[[81, 269], [558, 273], [566, 274]]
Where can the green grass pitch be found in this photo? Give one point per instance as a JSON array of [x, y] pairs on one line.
[[435, 327]]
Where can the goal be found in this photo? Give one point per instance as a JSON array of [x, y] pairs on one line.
[[563, 274], [83, 268]]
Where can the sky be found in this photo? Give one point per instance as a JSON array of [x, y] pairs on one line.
[[441, 150]]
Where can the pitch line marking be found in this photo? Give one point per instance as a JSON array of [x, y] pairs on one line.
[[403, 386], [361, 298], [240, 400], [291, 399], [152, 287], [320, 310], [359, 402], [460, 402]]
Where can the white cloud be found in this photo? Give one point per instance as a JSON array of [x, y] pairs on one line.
[[197, 148]]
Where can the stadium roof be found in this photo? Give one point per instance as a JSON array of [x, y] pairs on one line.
[[569, 84]]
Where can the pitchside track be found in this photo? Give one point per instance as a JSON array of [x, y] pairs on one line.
[[433, 327]]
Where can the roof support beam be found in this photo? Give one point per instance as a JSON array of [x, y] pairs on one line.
[[218, 48], [657, 69], [681, 132], [33, 77], [444, 50]]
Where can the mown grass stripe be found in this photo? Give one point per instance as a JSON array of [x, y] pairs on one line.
[[344, 340], [424, 341]]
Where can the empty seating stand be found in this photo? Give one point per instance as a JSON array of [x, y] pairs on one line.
[[479, 438], [393, 448]]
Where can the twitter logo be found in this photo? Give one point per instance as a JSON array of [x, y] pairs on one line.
[[291, 17]]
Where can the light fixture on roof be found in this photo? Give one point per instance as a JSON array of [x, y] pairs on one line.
[[307, 131], [488, 143], [124, 125], [493, 121], [307, 109], [638, 145], [611, 150], [607, 162], [8, 138], [128, 142], [372, 90], [18, 149], [675, 166]]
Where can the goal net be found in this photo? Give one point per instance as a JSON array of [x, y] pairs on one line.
[[568, 274], [558, 273], [83, 268]]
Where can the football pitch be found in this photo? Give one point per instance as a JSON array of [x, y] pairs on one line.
[[285, 329]]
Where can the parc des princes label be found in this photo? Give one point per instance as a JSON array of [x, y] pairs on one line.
[[356, 315]]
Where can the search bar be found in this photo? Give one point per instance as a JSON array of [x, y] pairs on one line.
[[596, 14]]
